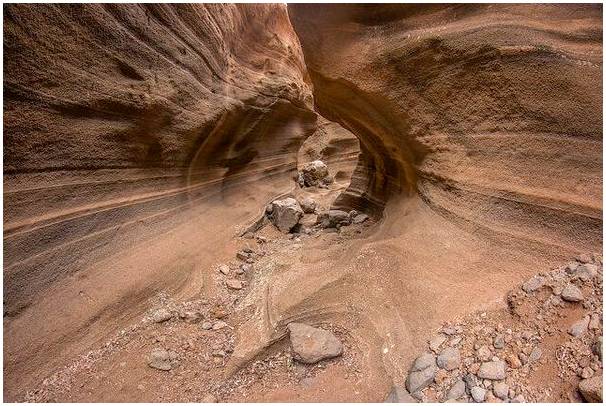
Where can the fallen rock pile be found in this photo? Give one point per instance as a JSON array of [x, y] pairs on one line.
[[487, 358]]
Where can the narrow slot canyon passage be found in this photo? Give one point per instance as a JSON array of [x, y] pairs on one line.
[[302, 203]]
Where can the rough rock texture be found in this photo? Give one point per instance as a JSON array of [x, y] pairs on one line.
[[311, 344], [591, 389], [168, 124], [285, 214]]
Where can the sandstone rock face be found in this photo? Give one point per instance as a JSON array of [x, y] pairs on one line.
[[434, 108], [138, 136], [123, 123], [466, 115]]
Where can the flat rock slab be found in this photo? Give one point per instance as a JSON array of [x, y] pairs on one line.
[[311, 344]]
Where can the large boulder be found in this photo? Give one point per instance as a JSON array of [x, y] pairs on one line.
[[285, 214], [315, 173], [311, 344]]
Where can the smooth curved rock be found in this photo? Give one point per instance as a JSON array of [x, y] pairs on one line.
[[434, 109], [128, 128]]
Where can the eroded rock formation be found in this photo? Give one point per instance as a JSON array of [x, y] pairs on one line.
[[130, 123], [139, 140], [474, 108]]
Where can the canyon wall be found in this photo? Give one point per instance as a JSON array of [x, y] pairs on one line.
[[140, 139], [492, 114], [126, 130]]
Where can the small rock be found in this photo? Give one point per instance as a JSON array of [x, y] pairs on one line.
[[491, 398], [500, 390], [586, 272], [423, 361], [314, 173], [243, 256], [535, 354], [333, 218], [519, 399], [311, 344], [161, 359], [457, 390], [161, 315], [455, 341], [436, 342], [449, 359], [359, 219], [499, 342], [586, 373], [191, 316], [484, 353], [494, 370], [597, 347], [470, 381], [591, 389], [583, 258], [416, 381], [218, 312], [399, 394], [571, 293], [234, 284], [478, 394], [308, 205], [219, 325], [571, 267], [207, 325], [286, 214], [580, 327], [534, 283], [224, 269], [594, 323], [450, 331]]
